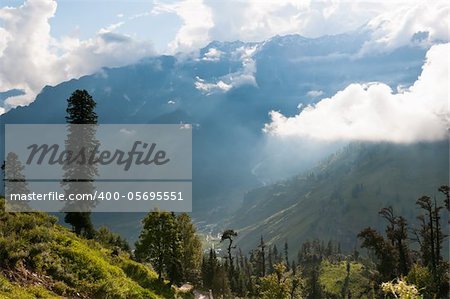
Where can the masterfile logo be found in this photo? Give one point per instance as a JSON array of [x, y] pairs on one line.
[[52, 154], [132, 152], [117, 167]]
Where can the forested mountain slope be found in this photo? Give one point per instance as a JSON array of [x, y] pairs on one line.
[[342, 195]]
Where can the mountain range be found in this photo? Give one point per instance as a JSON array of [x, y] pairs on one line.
[[226, 91]]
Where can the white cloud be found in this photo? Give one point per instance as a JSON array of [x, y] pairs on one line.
[[212, 55], [31, 58], [111, 27], [394, 22], [4, 37], [254, 20], [196, 18], [314, 93], [420, 23], [107, 48], [244, 76], [372, 112], [26, 61], [210, 88]]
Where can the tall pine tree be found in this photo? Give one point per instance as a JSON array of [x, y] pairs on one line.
[[78, 177]]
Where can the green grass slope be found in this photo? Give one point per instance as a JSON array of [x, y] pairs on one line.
[[333, 275], [14, 290], [41, 259], [343, 194]]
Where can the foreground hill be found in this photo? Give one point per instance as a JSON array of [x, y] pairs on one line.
[[41, 259], [341, 196]]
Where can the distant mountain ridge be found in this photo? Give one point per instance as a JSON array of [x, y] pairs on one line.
[[228, 116]]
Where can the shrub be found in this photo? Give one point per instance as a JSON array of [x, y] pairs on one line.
[[400, 289]]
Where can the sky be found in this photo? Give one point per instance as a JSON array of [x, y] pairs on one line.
[[179, 25], [45, 42]]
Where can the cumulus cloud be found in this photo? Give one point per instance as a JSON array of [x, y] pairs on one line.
[[245, 76], [26, 56], [373, 112], [418, 23], [196, 18], [31, 58]]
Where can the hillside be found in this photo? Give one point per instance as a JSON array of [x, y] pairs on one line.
[[341, 196], [41, 259]]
